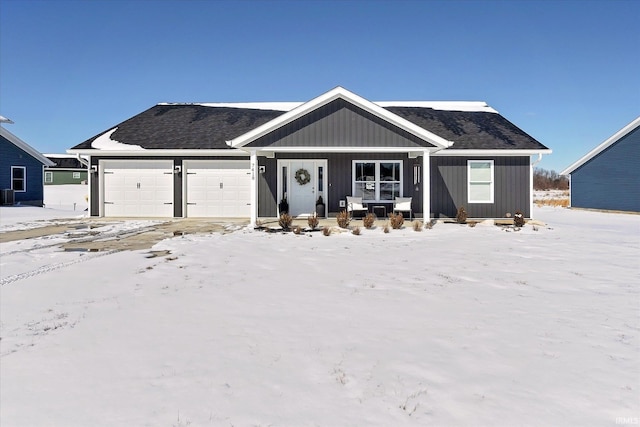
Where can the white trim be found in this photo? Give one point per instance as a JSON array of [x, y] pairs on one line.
[[491, 183], [159, 152], [25, 147], [343, 149], [496, 152], [318, 162], [24, 179], [600, 148], [49, 181], [377, 181], [338, 93], [426, 187], [253, 193]]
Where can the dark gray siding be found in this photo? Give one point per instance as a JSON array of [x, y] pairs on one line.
[[10, 155], [339, 179], [339, 124], [611, 179], [449, 187], [177, 178]]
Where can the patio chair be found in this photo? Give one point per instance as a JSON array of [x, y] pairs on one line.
[[403, 204], [354, 204]]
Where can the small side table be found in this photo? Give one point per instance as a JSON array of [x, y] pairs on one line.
[[379, 209]]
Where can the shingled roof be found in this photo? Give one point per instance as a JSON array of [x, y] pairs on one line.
[[197, 126]]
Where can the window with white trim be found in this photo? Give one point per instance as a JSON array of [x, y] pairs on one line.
[[19, 179], [377, 180], [76, 175], [480, 177], [48, 177]]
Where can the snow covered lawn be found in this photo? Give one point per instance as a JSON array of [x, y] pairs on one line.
[[449, 326]]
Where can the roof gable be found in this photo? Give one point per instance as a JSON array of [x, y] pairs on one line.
[[328, 97], [25, 147], [606, 144]]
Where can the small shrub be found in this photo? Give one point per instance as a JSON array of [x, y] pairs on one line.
[[297, 229], [285, 221], [429, 225], [326, 231], [369, 220], [343, 219], [518, 219], [417, 226], [472, 224], [386, 228], [396, 220], [313, 221], [461, 216], [356, 231]]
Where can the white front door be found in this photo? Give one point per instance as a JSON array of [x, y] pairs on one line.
[[301, 182]]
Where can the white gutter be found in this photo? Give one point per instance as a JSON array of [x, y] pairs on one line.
[[533, 163]]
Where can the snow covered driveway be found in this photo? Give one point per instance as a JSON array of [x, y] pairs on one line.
[[449, 326]]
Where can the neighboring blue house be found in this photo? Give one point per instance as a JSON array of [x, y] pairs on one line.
[[608, 177], [21, 170]]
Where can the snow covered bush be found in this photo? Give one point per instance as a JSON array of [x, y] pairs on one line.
[[326, 231], [417, 225], [518, 219], [356, 231]]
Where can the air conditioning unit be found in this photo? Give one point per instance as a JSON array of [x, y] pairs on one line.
[[7, 197]]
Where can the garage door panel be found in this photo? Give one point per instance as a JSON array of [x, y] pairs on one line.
[[138, 188], [218, 189]]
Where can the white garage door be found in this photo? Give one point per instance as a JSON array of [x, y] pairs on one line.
[[137, 188], [217, 188]]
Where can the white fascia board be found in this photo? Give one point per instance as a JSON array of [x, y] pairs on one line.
[[476, 153], [338, 92], [600, 148], [321, 150], [158, 153], [25, 147]]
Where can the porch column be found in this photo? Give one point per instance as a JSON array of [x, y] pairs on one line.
[[253, 195], [426, 187]]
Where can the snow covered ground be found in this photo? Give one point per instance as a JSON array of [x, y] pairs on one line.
[[449, 326]]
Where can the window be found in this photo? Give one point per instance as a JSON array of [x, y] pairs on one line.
[[76, 175], [377, 180], [48, 177], [480, 176], [19, 178]]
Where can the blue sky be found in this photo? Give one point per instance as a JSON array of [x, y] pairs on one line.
[[566, 72]]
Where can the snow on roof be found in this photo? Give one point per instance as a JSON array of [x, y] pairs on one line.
[[104, 142], [479, 106], [3, 119]]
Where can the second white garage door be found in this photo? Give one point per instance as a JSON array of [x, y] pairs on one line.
[[217, 188]]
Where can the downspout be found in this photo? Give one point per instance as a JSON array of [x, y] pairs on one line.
[[87, 163], [533, 164], [83, 161]]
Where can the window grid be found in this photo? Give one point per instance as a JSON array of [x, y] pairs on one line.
[[19, 179], [377, 180], [480, 181]]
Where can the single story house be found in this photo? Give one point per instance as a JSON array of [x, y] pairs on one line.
[[608, 177], [243, 159], [67, 169], [21, 170]]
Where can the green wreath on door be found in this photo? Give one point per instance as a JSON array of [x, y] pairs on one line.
[[303, 176]]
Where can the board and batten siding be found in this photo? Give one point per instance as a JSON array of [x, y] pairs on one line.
[[449, 187], [339, 179], [611, 179], [339, 124]]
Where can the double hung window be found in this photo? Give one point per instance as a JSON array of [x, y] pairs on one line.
[[480, 181], [19, 178]]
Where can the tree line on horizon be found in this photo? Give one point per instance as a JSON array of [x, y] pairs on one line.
[[549, 180]]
